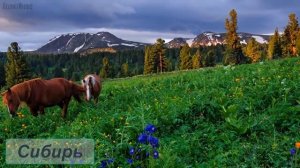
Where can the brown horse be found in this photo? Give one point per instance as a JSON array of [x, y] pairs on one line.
[[92, 84], [39, 93]]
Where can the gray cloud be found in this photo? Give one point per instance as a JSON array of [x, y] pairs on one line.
[[176, 17]]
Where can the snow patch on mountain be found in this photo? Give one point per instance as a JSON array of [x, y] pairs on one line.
[[131, 45], [259, 39], [190, 42], [78, 48], [243, 42], [111, 45], [53, 39], [70, 40]]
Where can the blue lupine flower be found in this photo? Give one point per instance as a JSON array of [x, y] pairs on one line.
[[147, 154], [293, 151], [155, 154], [153, 141], [150, 128], [131, 151], [130, 161], [111, 160], [142, 138], [103, 164]]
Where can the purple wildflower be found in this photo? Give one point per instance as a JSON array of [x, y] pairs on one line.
[[293, 151], [153, 141], [150, 128], [131, 151], [142, 138], [155, 154]]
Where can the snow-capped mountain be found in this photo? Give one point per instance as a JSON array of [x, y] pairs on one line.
[[178, 42], [86, 43], [80, 42], [211, 38]]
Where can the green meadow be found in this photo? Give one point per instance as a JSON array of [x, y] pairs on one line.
[[228, 116]]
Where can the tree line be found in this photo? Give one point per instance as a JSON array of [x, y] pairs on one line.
[[17, 66]]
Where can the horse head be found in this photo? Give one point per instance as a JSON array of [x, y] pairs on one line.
[[77, 91], [12, 101], [88, 83]]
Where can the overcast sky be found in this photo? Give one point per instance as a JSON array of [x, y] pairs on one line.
[[33, 22]]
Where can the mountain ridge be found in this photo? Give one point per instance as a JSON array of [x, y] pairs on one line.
[[209, 38], [84, 43], [80, 42]]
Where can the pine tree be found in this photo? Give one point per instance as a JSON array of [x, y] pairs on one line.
[[285, 41], [149, 61], [210, 59], [233, 53], [155, 60], [169, 65], [197, 60], [105, 70], [185, 58], [290, 35], [146, 59], [274, 47], [125, 69], [252, 50], [159, 55], [58, 72], [2, 75], [298, 44], [16, 68]]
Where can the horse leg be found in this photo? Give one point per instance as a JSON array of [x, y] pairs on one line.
[[34, 110], [61, 105], [41, 109], [65, 108]]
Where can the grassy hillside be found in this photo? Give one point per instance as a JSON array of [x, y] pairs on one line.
[[242, 116]]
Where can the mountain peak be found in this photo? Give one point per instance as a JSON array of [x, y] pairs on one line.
[[80, 42]]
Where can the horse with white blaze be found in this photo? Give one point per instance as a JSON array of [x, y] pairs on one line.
[[92, 84]]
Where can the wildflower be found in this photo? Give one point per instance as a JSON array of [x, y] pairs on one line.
[[142, 138], [293, 151], [153, 141], [111, 160], [155, 154], [150, 128], [131, 151], [130, 161], [297, 145], [105, 163]]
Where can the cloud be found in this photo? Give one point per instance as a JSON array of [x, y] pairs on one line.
[[175, 17]]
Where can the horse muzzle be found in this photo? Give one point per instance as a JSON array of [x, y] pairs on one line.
[[11, 114]]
